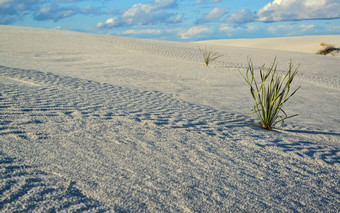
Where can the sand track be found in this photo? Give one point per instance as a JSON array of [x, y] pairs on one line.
[[120, 149]]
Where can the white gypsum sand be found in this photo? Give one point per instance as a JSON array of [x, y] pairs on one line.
[[304, 44], [100, 123]]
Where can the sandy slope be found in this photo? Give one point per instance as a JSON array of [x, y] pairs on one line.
[[304, 44], [99, 123]]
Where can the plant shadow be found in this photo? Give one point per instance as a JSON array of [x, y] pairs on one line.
[[313, 132]]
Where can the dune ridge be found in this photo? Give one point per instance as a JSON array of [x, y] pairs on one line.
[[107, 124], [304, 44]]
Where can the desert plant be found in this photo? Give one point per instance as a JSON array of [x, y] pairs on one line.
[[270, 93], [323, 44], [208, 55], [327, 48]]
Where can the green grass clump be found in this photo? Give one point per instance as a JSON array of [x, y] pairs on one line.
[[270, 93], [208, 55]]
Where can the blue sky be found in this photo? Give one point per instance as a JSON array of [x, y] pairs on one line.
[[178, 20]]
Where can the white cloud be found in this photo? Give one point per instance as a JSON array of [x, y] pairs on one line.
[[110, 21], [215, 13], [146, 31], [177, 18], [146, 14], [251, 28], [139, 9], [226, 28], [4, 1], [55, 13], [46, 9], [288, 10], [305, 27], [229, 29], [242, 16], [206, 1], [99, 25], [193, 31], [164, 4], [290, 30], [271, 30], [41, 10], [13, 10]]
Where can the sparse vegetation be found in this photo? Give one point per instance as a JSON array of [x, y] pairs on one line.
[[327, 48], [270, 93], [208, 55]]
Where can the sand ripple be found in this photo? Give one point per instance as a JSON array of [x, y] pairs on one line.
[[150, 152]]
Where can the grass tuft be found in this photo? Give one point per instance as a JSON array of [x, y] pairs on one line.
[[208, 55], [327, 48], [270, 93]]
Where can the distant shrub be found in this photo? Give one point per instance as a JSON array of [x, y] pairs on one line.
[[270, 93], [323, 44], [327, 48], [208, 55]]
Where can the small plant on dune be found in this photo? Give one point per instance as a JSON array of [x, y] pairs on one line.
[[208, 55], [270, 93], [327, 48], [323, 44]]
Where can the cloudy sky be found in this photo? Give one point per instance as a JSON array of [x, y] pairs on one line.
[[178, 20]]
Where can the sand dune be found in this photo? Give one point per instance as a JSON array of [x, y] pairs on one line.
[[304, 44], [99, 123]]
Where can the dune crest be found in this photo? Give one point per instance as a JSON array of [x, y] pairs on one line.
[[303, 44]]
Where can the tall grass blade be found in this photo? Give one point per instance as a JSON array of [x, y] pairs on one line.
[[270, 92]]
